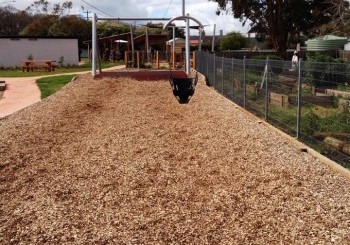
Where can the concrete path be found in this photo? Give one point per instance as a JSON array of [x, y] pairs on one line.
[[21, 92]]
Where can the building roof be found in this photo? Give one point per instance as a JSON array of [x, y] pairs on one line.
[[36, 37]]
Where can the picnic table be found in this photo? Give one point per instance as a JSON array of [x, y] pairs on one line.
[[31, 65]]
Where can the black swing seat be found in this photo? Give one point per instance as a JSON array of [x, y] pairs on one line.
[[183, 88]]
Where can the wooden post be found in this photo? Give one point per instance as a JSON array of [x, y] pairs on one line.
[[138, 59], [174, 60], [126, 59], [157, 59], [99, 59], [194, 63]]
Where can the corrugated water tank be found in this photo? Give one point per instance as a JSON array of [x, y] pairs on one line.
[[327, 42]]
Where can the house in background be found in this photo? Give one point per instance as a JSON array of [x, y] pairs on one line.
[[15, 49]]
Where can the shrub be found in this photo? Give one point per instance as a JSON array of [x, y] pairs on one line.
[[233, 41]]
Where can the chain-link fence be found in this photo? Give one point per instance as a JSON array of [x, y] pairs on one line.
[[307, 100]]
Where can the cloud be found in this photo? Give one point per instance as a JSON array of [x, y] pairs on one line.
[[203, 10]]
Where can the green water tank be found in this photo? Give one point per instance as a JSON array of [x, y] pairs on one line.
[[327, 42]]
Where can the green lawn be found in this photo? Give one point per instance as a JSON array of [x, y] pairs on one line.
[[85, 67], [50, 85]]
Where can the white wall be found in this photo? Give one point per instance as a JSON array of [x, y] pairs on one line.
[[15, 50]]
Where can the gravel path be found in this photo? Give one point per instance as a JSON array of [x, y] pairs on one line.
[[117, 161]]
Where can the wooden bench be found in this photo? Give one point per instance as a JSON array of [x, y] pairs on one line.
[[43, 65], [27, 66], [2, 85]]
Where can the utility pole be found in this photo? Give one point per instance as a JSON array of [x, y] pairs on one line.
[[87, 14]]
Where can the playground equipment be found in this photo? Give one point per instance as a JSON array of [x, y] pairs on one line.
[[183, 88]]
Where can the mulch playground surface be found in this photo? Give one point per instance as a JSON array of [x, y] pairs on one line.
[[113, 160]]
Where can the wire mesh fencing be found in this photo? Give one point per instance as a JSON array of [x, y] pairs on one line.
[[307, 100]]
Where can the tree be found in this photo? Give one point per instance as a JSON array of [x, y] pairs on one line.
[[13, 21], [109, 28], [233, 41], [40, 26], [43, 7], [39, 7], [340, 24], [279, 19], [70, 26]]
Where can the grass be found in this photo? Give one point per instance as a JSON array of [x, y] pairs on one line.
[[50, 85], [85, 67], [343, 88]]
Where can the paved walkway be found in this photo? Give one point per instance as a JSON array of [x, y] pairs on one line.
[[23, 91]]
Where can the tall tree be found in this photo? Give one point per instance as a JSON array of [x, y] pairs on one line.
[[340, 24], [279, 19], [13, 21], [109, 28], [43, 7], [40, 26]]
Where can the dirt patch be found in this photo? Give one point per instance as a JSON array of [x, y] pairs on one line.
[[119, 161]]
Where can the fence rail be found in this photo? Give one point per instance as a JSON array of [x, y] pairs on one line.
[[308, 100]]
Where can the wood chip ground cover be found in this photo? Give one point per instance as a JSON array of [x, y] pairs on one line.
[[118, 161]]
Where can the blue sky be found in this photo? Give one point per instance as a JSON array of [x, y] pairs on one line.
[[203, 10]]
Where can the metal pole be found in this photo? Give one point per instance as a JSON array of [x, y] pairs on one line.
[[266, 88], [200, 39], [299, 99], [244, 78], [207, 73], [222, 75], [132, 47], [183, 7], [135, 19], [213, 41], [94, 44], [174, 48], [214, 73], [188, 46], [147, 45], [233, 78]]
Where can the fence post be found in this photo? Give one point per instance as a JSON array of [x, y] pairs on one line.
[[299, 104], [232, 78], [174, 60], [207, 73], [244, 85], [266, 87], [222, 75], [126, 59], [194, 60], [214, 72]]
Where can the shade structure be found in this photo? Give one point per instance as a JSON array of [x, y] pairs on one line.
[[120, 41]]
